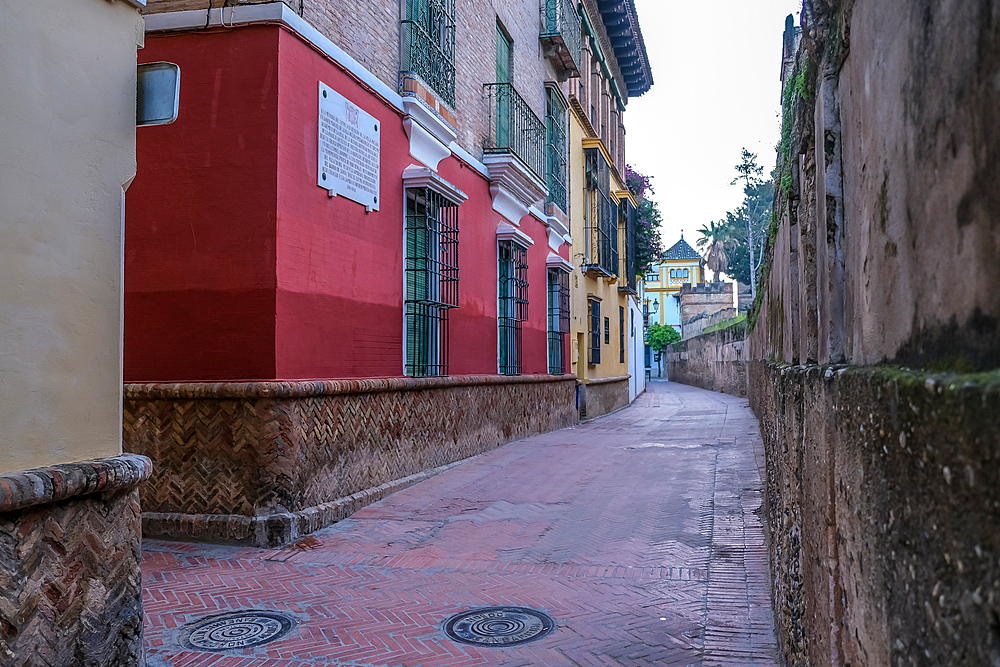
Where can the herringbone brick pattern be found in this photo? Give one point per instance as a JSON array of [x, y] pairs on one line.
[[70, 583], [257, 455], [635, 532]]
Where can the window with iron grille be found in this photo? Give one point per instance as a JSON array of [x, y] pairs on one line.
[[431, 279], [555, 130], [512, 271], [626, 238], [601, 217], [594, 355], [429, 44], [621, 334], [558, 320], [607, 331]]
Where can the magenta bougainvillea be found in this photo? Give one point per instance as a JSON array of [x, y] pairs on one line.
[[648, 246]]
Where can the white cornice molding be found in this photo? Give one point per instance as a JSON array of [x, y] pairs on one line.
[[506, 232], [416, 176], [424, 146], [438, 127], [272, 12], [507, 204], [515, 179], [554, 261], [555, 240]]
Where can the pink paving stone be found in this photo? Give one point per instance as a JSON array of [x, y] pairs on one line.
[[607, 527]]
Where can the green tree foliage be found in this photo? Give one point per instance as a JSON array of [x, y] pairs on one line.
[[661, 335], [648, 246], [743, 232]]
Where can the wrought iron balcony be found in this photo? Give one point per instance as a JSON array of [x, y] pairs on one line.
[[601, 221], [561, 37], [514, 128], [626, 252], [429, 44]]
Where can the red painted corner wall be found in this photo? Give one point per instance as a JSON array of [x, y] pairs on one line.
[[340, 269], [200, 215]]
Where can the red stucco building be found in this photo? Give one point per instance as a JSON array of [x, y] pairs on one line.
[[289, 344]]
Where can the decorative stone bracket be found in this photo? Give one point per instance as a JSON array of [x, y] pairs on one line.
[[514, 187]]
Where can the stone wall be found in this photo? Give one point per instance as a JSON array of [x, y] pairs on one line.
[[265, 462], [707, 298], [882, 494], [70, 586], [697, 324], [715, 361], [882, 481], [601, 396]]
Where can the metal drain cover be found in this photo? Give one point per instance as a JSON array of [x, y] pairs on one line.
[[236, 630], [499, 626]]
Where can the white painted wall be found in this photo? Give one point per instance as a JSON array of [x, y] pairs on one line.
[[67, 123], [636, 351]]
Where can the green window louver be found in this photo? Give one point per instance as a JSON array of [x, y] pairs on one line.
[[558, 320], [431, 280], [594, 349], [512, 274]]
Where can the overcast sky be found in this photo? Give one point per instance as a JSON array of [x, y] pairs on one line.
[[716, 90]]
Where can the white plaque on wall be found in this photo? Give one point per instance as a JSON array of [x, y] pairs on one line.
[[348, 149]]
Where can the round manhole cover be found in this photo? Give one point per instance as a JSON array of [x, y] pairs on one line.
[[236, 630], [499, 626]]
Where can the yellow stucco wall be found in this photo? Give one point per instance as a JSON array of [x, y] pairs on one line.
[[67, 118], [581, 285]]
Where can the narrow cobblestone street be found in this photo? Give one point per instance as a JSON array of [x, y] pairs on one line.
[[639, 533]]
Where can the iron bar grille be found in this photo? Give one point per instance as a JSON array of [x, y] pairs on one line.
[[512, 270], [562, 21], [626, 238], [558, 320], [601, 225], [514, 128], [555, 121], [431, 279], [621, 334], [594, 353], [429, 44]]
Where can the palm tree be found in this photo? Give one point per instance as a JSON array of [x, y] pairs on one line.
[[718, 237], [712, 232]]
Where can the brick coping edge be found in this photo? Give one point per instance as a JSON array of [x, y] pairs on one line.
[[310, 388], [277, 529], [617, 378], [25, 488]]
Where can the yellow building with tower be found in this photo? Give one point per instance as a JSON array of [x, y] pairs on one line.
[[681, 264]]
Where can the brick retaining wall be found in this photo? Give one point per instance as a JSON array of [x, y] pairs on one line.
[[70, 587], [264, 463], [603, 395]]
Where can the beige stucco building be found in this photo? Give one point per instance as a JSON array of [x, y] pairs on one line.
[[67, 122]]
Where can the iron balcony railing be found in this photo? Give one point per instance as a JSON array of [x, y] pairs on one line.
[[514, 128], [555, 121], [626, 238], [563, 35], [429, 48], [601, 222]]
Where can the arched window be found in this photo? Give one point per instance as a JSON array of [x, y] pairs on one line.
[[673, 274], [687, 274]]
